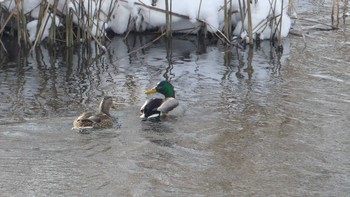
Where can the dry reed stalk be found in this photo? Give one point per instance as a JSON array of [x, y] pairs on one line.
[[219, 34], [144, 46], [81, 19], [335, 11], [99, 11], [86, 18], [199, 9], [3, 46], [242, 12], [271, 22], [338, 13], [290, 7], [69, 26], [77, 12], [279, 37], [89, 18], [24, 26], [275, 22], [12, 13], [44, 18], [250, 28], [226, 30], [168, 19], [171, 17], [18, 2], [52, 33], [204, 28], [229, 21], [179, 15], [130, 24], [345, 9]]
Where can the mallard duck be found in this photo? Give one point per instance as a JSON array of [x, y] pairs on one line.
[[157, 106], [99, 120]]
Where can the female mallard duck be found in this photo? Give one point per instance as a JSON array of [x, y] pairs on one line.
[[99, 120], [156, 106]]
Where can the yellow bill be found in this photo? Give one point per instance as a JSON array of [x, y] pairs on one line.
[[151, 91]]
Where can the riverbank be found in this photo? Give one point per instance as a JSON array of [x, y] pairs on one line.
[[89, 20]]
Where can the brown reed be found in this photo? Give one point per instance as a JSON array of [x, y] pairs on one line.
[[87, 20]]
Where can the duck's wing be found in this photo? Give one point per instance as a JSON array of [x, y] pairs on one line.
[[149, 108], [102, 120], [81, 120], [144, 105], [94, 118], [85, 115], [168, 105], [90, 118]]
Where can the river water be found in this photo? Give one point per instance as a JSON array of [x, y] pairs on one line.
[[251, 122]]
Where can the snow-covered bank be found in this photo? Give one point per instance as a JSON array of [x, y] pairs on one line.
[[266, 19], [141, 15]]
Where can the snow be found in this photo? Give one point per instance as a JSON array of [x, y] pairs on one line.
[[139, 15], [47, 21], [119, 19], [263, 21]]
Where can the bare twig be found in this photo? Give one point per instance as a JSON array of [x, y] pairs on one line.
[[144, 46]]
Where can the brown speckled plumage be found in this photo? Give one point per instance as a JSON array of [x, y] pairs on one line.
[[99, 120]]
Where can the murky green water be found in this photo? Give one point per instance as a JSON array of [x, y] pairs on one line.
[[251, 123]]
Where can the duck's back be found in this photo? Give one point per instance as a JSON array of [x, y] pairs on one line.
[[90, 119]]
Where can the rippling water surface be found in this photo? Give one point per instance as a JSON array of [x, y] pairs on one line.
[[251, 122]]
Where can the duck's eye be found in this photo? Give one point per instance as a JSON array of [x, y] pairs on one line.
[[141, 111]]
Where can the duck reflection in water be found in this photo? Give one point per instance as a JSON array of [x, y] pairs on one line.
[[158, 132]]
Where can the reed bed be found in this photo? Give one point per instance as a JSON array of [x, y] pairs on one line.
[[76, 23], [71, 24]]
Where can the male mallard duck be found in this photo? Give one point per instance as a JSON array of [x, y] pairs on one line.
[[156, 106], [99, 120]]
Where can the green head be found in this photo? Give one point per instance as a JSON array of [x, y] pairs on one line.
[[163, 87]]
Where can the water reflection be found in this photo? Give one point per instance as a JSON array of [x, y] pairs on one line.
[[223, 91], [255, 122], [62, 82], [158, 132]]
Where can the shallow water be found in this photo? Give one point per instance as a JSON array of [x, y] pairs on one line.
[[250, 123]]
